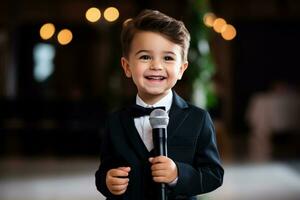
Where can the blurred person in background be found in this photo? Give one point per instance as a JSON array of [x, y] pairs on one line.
[[269, 114]]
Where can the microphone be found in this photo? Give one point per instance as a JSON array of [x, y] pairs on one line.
[[159, 120]]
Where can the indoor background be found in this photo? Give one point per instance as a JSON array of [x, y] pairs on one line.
[[60, 76]]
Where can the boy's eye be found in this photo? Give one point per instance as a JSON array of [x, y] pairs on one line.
[[168, 58], [145, 57]]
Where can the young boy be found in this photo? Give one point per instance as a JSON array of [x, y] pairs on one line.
[[155, 50]]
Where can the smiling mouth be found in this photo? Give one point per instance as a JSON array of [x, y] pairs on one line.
[[159, 78]]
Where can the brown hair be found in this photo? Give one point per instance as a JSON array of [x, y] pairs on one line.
[[155, 21]]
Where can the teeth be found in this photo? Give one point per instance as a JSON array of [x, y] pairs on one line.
[[156, 77]]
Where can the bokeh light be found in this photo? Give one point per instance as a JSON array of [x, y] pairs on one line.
[[111, 14], [219, 23], [209, 19], [64, 37], [93, 14], [47, 31], [228, 32]]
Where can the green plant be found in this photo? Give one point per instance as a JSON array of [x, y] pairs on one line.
[[201, 64]]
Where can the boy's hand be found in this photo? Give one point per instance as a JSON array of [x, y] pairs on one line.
[[117, 180], [164, 170]]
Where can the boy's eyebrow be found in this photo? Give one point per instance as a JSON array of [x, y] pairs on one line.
[[142, 51], [149, 51], [170, 52]]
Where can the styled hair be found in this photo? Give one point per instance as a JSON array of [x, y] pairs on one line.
[[155, 21]]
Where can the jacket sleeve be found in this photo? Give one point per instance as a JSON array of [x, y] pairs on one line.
[[206, 172], [107, 162]]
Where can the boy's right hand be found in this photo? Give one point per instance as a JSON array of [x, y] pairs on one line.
[[117, 180]]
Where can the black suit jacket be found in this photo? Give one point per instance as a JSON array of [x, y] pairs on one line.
[[191, 145]]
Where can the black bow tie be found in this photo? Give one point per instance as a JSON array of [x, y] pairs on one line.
[[139, 111]]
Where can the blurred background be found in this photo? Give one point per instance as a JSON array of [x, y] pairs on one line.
[[60, 76]]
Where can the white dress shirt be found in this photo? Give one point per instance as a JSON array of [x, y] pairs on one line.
[[142, 124]]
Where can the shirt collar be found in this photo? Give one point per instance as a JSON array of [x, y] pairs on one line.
[[165, 101]]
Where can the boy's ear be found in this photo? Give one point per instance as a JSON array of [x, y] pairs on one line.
[[125, 66], [182, 68]]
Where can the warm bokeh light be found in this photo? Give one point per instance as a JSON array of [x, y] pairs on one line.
[[209, 19], [65, 36], [219, 23], [47, 31], [111, 14], [228, 32], [93, 14]]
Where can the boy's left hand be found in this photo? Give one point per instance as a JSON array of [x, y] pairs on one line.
[[164, 170]]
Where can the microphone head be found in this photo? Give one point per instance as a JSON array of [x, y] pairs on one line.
[[159, 118]]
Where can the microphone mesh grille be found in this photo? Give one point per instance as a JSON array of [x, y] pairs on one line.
[[159, 118]]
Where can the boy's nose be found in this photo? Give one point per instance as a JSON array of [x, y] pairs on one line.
[[156, 65]]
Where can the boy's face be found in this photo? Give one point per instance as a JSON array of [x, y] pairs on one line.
[[155, 64]]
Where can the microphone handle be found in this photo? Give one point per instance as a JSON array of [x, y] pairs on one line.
[[160, 149], [159, 136]]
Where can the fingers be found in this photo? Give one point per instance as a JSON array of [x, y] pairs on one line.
[[118, 189], [126, 169], [163, 169], [158, 159], [117, 181], [119, 172], [159, 166], [161, 175]]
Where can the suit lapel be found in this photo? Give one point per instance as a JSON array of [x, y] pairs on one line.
[[133, 136], [177, 115]]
